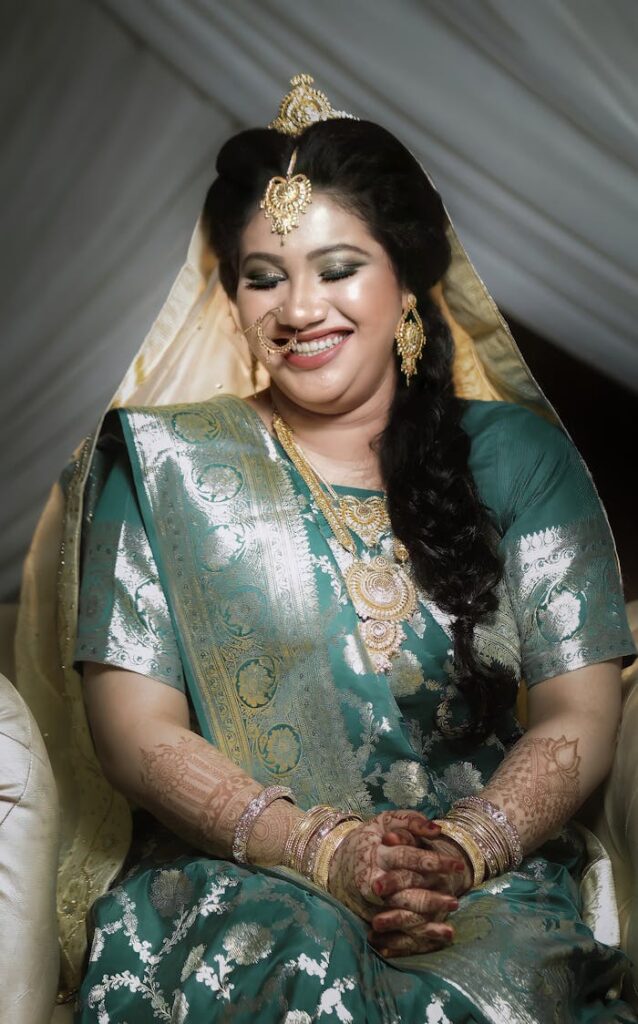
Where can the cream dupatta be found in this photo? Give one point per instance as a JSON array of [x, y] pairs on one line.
[[192, 352]]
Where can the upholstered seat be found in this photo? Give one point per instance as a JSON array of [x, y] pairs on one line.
[[615, 822], [28, 862]]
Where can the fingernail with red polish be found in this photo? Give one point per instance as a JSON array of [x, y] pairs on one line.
[[378, 887], [459, 866], [452, 905]]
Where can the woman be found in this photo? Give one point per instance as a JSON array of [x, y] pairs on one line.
[[304, 616]]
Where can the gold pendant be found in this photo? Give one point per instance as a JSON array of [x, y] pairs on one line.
[[368, 517], [381, 590], [383, 642]]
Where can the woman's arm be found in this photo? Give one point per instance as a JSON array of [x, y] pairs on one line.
[[141, 732], [565, 753]]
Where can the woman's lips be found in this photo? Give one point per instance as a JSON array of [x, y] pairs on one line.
[[316, 359]]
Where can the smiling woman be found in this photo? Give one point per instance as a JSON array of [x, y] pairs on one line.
[[341, 318], [305, 613], [339, 268]]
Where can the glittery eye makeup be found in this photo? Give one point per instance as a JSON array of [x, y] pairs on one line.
[[261, 282]]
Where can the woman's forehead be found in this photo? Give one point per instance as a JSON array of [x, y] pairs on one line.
[[324, 225]]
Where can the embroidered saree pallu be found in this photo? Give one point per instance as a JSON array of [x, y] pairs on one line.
[[226, 583]]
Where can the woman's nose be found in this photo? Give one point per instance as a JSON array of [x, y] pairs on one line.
[[301, 307]]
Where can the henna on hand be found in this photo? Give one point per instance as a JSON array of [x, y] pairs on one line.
[[359, 875], [418, 926]]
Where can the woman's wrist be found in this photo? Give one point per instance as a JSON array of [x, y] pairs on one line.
[[270, 833], [313, 837]]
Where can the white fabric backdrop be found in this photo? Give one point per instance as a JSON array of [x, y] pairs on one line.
[[112, 113]]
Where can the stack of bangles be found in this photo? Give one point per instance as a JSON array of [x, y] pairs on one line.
[[488, 838], [313, 841]]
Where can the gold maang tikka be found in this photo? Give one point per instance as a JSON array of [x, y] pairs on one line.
[[286, 199]]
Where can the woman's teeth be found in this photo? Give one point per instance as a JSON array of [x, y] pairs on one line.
[[320, 344]]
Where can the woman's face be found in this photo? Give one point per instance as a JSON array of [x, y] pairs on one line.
[[336, 287]]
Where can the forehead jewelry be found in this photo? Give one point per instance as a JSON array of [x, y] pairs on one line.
[[285, 199]]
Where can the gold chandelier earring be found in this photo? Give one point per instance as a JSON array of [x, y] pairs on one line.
[[410, 338]]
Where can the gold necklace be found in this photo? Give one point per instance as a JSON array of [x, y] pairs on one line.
[[368, 517], [381, 591]]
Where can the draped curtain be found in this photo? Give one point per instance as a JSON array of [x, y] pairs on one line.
[[112, 113]]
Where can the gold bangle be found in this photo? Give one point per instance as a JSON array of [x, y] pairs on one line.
[[327, 850], [491, 840], [318, 836], [469, 846], [507, 828], [301, 833], [302, 837], [495, 859]]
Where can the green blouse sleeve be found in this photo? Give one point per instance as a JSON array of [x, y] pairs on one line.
[[560, 566], [124, 619]]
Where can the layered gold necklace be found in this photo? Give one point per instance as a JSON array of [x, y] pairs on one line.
[[381, 590]]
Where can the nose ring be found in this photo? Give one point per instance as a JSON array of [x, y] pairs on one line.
[[269, 348]]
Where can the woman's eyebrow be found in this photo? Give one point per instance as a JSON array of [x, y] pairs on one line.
[[323, 251], [334, 248]]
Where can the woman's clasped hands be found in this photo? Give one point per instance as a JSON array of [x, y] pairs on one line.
[[398, 875]]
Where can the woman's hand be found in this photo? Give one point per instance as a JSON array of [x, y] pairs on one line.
[[419, 881], [397, 930]]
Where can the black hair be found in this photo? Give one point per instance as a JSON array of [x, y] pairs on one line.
[[432, 498]]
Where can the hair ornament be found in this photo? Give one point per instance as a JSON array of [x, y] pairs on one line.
[[303, 106], [285, 199]]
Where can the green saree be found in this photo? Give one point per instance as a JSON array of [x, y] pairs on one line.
[[207, 567]]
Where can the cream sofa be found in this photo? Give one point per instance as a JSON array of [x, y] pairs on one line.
[[28, 863], [28, 851]]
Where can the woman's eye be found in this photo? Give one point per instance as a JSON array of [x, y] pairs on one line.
[[264, 281], [336, 273]]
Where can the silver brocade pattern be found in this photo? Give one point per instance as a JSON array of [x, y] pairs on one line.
[[134, 630], [563, 584]]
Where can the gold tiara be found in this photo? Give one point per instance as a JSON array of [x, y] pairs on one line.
[[286, 199], [303, 106]]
